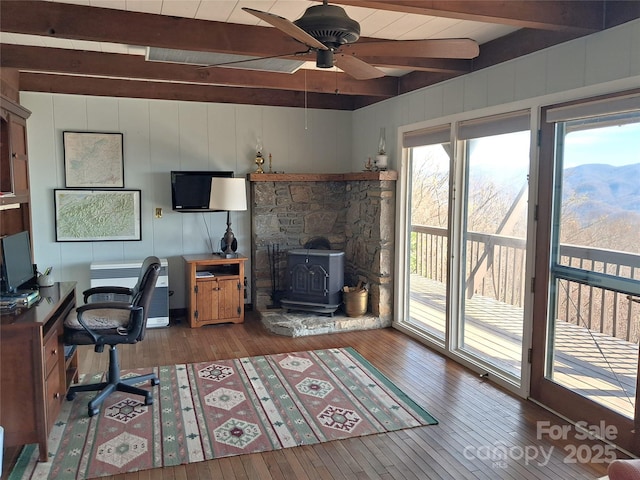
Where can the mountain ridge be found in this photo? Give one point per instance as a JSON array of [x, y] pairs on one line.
[[593, 190]]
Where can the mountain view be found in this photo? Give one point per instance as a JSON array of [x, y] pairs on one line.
[[594, 190]]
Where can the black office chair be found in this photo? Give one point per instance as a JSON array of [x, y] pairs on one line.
[[112, 323]]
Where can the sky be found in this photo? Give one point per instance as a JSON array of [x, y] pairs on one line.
[[615, 145]]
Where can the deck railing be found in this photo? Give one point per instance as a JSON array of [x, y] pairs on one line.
[[495, 268]]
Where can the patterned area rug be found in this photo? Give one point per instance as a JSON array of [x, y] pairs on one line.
[[222, 408]]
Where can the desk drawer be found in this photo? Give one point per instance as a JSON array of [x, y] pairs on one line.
[[53, 396], [51, 353]]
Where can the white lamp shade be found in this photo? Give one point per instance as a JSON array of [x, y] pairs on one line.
[[228, 194]]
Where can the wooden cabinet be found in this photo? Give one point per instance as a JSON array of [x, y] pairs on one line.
[[15, 213], [215, 289], [35, 369]]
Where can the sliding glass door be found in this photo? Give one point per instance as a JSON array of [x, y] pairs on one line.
[[588, 335], [466, 240], [494, 250], [498, 283], [429, 239]]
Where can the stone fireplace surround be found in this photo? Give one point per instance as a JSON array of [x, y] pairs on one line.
[[354, 211]]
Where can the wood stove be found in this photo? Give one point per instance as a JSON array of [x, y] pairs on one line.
[[315, 279]]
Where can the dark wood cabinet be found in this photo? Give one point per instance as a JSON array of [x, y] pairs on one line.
[[215, 289], [35, 370], [15, 208]]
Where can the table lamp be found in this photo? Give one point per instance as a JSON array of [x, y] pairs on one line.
[[228, 194]]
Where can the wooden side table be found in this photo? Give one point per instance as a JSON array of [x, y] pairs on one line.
[[215, 289]]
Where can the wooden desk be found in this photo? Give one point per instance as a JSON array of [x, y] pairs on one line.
[[34, 374]]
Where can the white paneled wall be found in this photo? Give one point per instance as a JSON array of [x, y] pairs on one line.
[[591, 65], [160, 136], [452, 96]]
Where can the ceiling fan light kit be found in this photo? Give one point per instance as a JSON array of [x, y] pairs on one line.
[[324, 59]]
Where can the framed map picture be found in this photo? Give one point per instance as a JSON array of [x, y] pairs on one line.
[[97, 215], [93, 160]]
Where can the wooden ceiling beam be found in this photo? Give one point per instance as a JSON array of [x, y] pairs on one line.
[[620, 11], [415, 80], [80, 22], [110, 87], [518, 43], [565, 15], [58, 60]]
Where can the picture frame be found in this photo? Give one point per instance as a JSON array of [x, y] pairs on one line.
[[97, 215], [93, 159]]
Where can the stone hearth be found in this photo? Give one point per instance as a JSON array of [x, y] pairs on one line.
[[353, 211], [300, 324]]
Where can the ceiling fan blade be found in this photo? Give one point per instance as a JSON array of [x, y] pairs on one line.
[[287, 27], [355, 67], [436, 48]]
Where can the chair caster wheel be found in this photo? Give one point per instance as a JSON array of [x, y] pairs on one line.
[[148, 400], [154, 382], [71, 396], [93, 411]]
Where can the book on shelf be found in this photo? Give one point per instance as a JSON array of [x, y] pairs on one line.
[[204, 273], [7, 306]]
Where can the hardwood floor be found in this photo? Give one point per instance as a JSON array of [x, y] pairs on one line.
[[475, 416]]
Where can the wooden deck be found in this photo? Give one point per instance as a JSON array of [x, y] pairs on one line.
[[594, 365]]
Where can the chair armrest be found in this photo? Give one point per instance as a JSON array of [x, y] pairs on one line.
[[96, 335], [105, 290]]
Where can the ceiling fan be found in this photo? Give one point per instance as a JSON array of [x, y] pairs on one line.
[[328, 31]]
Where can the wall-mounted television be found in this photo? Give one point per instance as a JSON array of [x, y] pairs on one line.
[[191, 190], [17, 267]]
